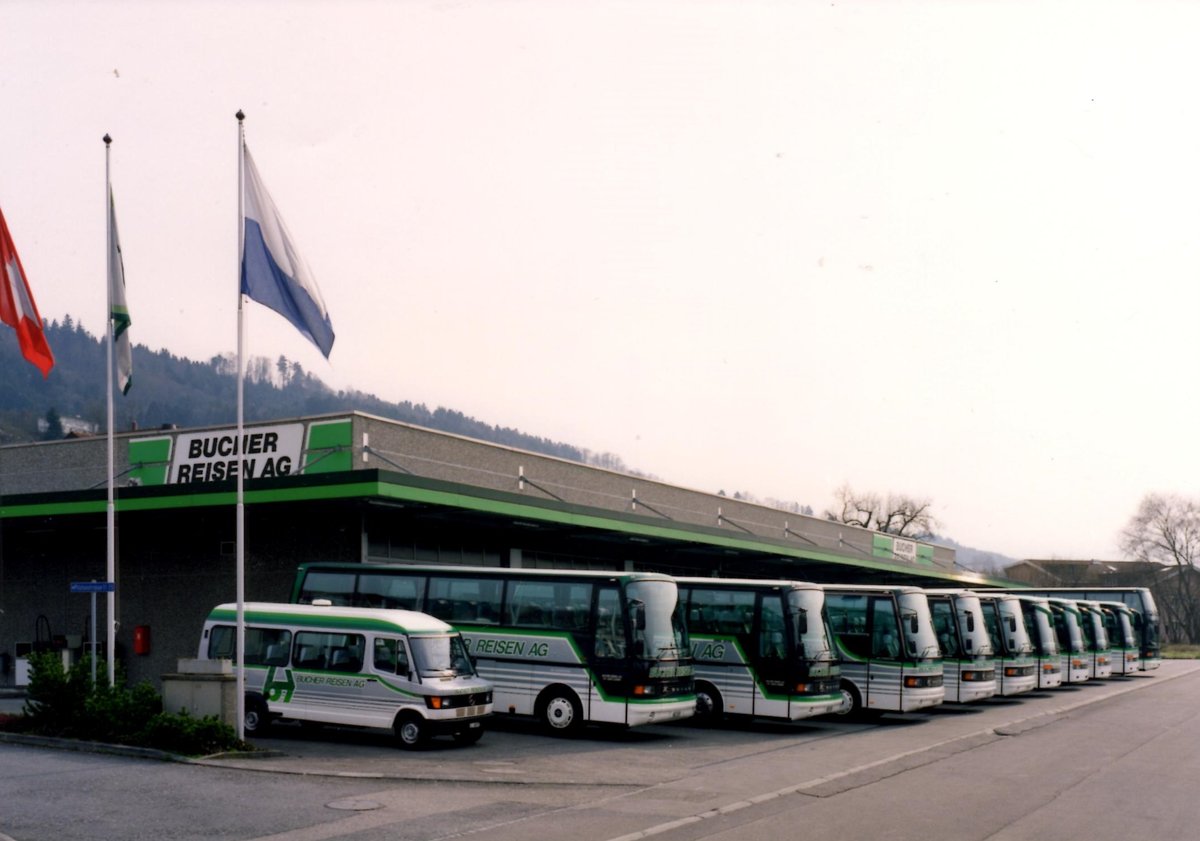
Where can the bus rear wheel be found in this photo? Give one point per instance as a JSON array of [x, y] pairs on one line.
[[560, 711]]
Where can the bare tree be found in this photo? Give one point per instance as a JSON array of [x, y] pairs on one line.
[[899, 514], [1166, 530]]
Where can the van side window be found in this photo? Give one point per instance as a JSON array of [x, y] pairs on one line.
[[390, 656], [222, 642], [264, 646], [267, 646], [328, 651]]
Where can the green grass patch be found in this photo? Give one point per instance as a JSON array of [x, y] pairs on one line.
[[1179, 651]]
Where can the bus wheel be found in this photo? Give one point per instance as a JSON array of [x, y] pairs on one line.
[[851, 700], [411, 731], [560, 711], [709, 709], [256, 718]]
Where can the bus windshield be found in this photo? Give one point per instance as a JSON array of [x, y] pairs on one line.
[[807, 609], [441, 656], [971, 626], [657, 619], [917, 625], [1038, 623], [1011, 617]]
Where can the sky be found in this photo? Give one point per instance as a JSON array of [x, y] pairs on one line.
[[944, 249]]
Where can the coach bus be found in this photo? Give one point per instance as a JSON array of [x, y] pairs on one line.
[[1095, 638], [761, 648], [889, 652], [1068, 625], [1016, 670], [568, 647], [969, 672], [1120, 623], [1039, 624], [1138, 598]]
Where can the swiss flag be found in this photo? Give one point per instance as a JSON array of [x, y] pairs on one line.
[[17, 308]]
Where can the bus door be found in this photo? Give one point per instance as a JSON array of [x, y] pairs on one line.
[[769, 650], [884, 669]]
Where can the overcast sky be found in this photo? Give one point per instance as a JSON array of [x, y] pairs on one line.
[[948, 249]]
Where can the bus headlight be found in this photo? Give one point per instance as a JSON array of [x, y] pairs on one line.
[[643, 690]]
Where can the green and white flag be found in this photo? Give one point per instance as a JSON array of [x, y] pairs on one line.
[[119, 312]]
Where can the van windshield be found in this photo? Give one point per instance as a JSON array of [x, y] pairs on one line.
[[441, 656]]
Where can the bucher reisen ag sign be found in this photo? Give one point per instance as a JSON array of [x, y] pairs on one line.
[[216, 455], [261, 452]]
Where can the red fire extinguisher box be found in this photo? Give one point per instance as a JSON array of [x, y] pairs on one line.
[[141, 639]]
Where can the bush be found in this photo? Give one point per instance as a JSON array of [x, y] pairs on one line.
[[180, 733], [66, 703]]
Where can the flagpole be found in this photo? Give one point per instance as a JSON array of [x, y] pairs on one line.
[[111, 568], [241, 518]]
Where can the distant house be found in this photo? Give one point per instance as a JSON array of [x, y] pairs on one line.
[[1176, 589], [1092, 573], [73, 426]]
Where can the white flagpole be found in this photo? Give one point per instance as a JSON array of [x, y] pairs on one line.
[[111, 569], [241, 519]]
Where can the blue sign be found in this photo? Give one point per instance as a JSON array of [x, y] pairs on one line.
[[92, 586]]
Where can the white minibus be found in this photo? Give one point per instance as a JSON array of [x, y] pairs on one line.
[[356, 666]]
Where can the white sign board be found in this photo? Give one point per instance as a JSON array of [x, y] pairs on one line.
[[215, 455]]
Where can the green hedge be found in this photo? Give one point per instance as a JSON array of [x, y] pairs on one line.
[[61, 702]]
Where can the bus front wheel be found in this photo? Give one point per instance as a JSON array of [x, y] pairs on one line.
[[560, 711], [851, 700], [411, 731], [709, 708]]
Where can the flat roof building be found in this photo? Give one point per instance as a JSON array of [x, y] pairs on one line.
[[355, 487]]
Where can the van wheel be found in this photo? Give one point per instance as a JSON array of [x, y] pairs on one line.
[[411, 731], [256, 718], [468, 737], [560, 711], [709, 709]]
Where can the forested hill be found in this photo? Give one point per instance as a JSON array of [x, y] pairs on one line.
[[168, 389]]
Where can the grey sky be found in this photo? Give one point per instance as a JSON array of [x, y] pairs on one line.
[[942, 248]]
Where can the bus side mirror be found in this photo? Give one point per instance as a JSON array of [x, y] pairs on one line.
[[638, 609], [913, 625], [802, 621]]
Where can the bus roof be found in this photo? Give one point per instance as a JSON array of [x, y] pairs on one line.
[[746, 582], [873, 588], [328, 616], [487, 571]]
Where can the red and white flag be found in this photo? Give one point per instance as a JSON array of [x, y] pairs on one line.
[[17, 308]]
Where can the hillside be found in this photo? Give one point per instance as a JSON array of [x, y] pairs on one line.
[[172, 390]]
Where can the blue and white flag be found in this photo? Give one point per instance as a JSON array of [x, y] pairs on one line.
[[273, 272]]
